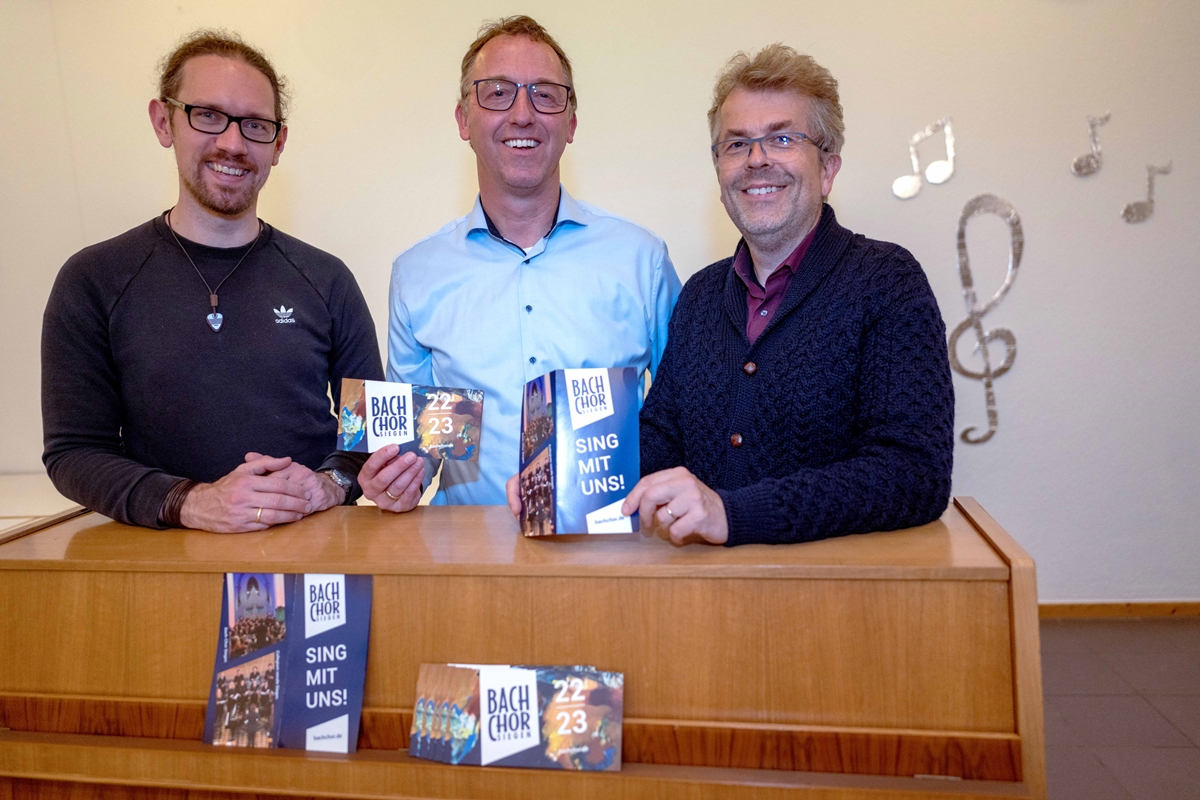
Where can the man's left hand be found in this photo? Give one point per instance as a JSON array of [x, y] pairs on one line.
[[681, 504], [324, 491]]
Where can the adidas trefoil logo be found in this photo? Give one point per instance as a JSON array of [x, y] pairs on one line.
[[284, 315]]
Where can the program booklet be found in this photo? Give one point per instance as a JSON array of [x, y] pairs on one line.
[[428, 420], [579, 451], [291, 661], [533, 717]]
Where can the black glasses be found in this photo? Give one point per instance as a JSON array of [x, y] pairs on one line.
[[495, 94], [209, 120], [775, 146]]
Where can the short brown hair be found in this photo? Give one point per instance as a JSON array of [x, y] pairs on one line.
[[778, 67], [211, 42], [512, 26]]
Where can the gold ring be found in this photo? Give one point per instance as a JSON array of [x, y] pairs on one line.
[[258, 516], [670, 513], [389, 494]]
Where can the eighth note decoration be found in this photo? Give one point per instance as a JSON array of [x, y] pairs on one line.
[[909, 186], [1140, 210], [1089, 163], [986, 204]]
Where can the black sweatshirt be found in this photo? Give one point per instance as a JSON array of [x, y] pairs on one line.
[[138, 392]]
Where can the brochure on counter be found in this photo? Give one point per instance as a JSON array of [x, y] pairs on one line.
[[291, 661], [524, 716]]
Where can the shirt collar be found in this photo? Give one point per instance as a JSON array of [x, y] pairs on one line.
[[568, 211], [745, 270]]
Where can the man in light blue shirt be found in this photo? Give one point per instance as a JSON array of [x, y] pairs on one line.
[[530, 281]]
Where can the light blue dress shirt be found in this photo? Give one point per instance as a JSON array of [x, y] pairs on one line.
[[472, 310]]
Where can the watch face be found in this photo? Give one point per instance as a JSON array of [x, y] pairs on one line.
[[339, 478]]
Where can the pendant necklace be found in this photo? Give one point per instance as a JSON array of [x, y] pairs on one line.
[[215, 319]]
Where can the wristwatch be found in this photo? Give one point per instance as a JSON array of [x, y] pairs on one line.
[[341, 479]]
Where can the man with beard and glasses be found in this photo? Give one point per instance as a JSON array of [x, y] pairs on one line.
[[187, 363], [532, 280], [805, 390]]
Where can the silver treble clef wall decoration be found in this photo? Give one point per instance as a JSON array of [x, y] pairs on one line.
[[986, 204]]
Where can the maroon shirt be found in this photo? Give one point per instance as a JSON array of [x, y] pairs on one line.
[[762, 301]]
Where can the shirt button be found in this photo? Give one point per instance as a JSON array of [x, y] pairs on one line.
[[736, 440], [750, 368], [533, 359], [762, 313], [529, 308]]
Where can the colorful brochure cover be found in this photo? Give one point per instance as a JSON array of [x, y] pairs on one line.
[[291, 661], [533, 717], [579, 451], [429, 420]]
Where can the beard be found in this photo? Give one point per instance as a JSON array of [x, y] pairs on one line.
[[223, 200]]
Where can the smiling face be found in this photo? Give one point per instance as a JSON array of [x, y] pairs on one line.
[[221, 173], [518, 150], [771, 202]]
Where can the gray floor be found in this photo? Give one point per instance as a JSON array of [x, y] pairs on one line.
[[1122, 708]]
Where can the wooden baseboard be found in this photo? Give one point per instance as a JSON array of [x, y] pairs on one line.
[[1180, 608], [71, 767], [976, 756]]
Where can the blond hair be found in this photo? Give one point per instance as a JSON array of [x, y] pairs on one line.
[[778, 67]]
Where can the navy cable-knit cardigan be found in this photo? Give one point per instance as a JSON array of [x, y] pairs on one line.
[[846, 419]]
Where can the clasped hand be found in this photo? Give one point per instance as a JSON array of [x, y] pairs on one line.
[[257, 494]]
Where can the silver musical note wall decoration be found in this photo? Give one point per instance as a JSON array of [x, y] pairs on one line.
[[1140, 210], [986, 204], [1089, 163], [908, 186]]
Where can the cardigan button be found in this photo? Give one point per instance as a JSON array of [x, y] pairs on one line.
[[750, 368], [736, 440]]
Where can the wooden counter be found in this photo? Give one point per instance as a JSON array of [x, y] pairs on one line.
[[841, 668]]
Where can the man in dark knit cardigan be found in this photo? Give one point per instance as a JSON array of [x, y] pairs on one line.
[[805, 389]]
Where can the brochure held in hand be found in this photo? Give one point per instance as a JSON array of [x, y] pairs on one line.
[[579, 454], [429, 420]]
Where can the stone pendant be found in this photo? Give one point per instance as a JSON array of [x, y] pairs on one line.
[[215, 320]]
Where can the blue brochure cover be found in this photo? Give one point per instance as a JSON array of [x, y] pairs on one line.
[[579, 451], [532, 717], [326, 662], [291, 661]]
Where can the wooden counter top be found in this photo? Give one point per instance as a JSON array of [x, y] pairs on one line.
[[484, 540]]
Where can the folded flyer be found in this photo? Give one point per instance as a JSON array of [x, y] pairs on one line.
[[532, 717], [429, 420]]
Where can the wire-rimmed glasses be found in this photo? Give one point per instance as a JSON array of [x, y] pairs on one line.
[[782, 146]]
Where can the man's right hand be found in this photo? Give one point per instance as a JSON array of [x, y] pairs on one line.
[[248, 499], [392, 481], [512, 491]]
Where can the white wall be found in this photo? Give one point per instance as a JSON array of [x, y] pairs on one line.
[[1094, 466]]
